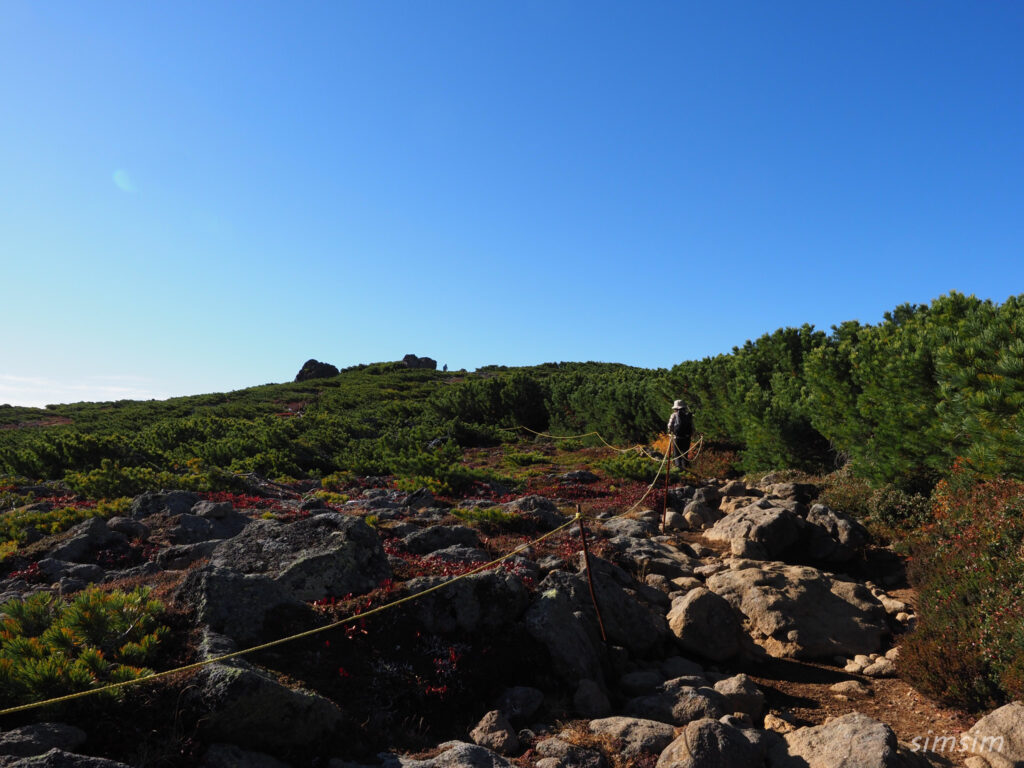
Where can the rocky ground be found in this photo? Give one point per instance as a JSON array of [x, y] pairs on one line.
[[759, 629]]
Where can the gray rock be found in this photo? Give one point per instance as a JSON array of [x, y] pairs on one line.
[[882, 667], [58, 758], [636, 735], [85, 539], [454, 754], [850, 741], [483, 601], [520, 703], [421, 498], [629, 621], [744, 696], [801, 612], [171, 502], [649, 556], [249, 707], [133, 529], [679, 703], [678, 498], [569, 755], [441, 537], [539, 509], [624, 526], [39, 738], [640, 682], [590, 700], [698, 515], [708, 494], [999, 736], [832, 536], [235, 604], [314, 369], [494, 732], [707, 743], [677, 666], [212, 510], [180, 556], [738, 488], [774, 528], [799, 492], [458, 554], [325, 555], [552, 621], [579, 476], [193, 528], [230, 756], [706, 624]]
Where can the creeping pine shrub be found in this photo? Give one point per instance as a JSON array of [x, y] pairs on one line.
[[14, 525], [968, 648], [490, 518], [50, 648], [634, 466], [525, 459], [110, 479], [440, 470]]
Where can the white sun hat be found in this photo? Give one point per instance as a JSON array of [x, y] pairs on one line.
[[678, 405]]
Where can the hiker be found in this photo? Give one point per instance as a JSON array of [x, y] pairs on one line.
[[680, 427]]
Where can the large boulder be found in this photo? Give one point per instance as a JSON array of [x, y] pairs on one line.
[[453, 754], [495, 732], [631, 612], [831, 536], [635, 734], [86, 539], [708, 743], [411, 361], [325, 555], [235, 604], [171, 502], [706, 624], [484, 601], [39, 738], [554, 622], [438, 537], [314, 369], [538, 509], [850, 741], [679, 702], [58, 758], [776, 529], [998, 737], [802, 612], [244, 706]]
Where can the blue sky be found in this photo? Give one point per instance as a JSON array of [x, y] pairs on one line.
[[200, 196]]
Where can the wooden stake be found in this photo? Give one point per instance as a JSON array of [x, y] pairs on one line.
[[668, 472], [590, 577]]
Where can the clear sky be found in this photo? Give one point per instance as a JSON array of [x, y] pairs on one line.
[[199, 196]]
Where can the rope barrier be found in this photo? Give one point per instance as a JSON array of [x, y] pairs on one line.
[[348, 619]]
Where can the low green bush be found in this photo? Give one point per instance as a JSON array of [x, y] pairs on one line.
[[14, 525], [968, 647], [635, 466], [525, 459], [490, 518], [49, 648]]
